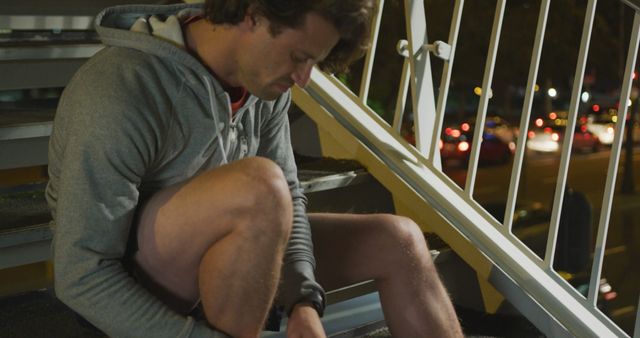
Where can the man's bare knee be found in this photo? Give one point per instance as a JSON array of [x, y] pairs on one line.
[[248, 198], [268, 199], [261, 229], [407, 236]]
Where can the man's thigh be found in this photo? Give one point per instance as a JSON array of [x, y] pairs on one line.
[[177, 225], [353, 248]]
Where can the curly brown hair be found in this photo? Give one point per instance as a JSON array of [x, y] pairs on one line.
[[352, 18]]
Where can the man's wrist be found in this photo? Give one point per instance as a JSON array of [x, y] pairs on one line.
[[314, 301]]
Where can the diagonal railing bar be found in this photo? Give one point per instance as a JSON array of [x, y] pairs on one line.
[[526, 115], [445, 81], [568, 139], [635, 4], [484, 97], [369, 59], [605, 211]]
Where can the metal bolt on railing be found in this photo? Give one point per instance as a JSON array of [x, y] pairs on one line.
[[440, 49], [402, 47]]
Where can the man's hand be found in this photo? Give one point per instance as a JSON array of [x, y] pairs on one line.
[[305, 323]]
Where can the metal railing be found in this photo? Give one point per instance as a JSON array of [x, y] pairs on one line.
[[550, 302]]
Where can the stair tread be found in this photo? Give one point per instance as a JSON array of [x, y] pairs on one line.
[[23, 207], [13, 115]]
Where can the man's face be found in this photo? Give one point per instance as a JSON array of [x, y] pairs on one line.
[[268, 66]]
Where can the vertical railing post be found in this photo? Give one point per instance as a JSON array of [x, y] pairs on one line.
[[422, 92], [401, 100], [484, 97], [365, 80], [636, 331], [446, 79], [568, 134], [609, 190], [526, 115]]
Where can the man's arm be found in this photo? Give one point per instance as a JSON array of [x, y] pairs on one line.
[[99, 151], [299, 284]]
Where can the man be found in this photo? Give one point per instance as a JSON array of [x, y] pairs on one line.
[[173, 182]]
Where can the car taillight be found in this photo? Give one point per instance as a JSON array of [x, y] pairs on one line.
[[463, 146], [531, 134], [610, 295]]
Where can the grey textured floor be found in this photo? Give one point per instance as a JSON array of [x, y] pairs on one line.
[[38, 314]]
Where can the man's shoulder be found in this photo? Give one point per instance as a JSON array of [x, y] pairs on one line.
[[119, 69], [118, 59]]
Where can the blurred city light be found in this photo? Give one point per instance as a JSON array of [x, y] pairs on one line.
[[585, 97], [463, 146], [552, 92], [478, 91], [539, 122]]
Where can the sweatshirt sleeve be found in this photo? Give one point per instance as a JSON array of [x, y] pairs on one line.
[[100, 147], [298, 279]]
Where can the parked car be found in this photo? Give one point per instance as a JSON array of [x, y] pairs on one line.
[[548, 139], [603, 131], [455, 146]]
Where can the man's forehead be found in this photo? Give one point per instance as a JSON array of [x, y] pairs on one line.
[[318, 36]]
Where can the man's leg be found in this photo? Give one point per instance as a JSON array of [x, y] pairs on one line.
[[392, 251], [218, 238]]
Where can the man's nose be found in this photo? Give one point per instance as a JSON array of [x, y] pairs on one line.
[[302, 73]]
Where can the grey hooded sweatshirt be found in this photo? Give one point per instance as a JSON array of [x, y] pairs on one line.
[[139, 116]]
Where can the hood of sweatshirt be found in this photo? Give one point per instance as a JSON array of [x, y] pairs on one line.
[[157, 30]]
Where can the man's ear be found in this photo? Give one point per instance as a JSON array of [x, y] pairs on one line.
[[251, 20], [248, 23]]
